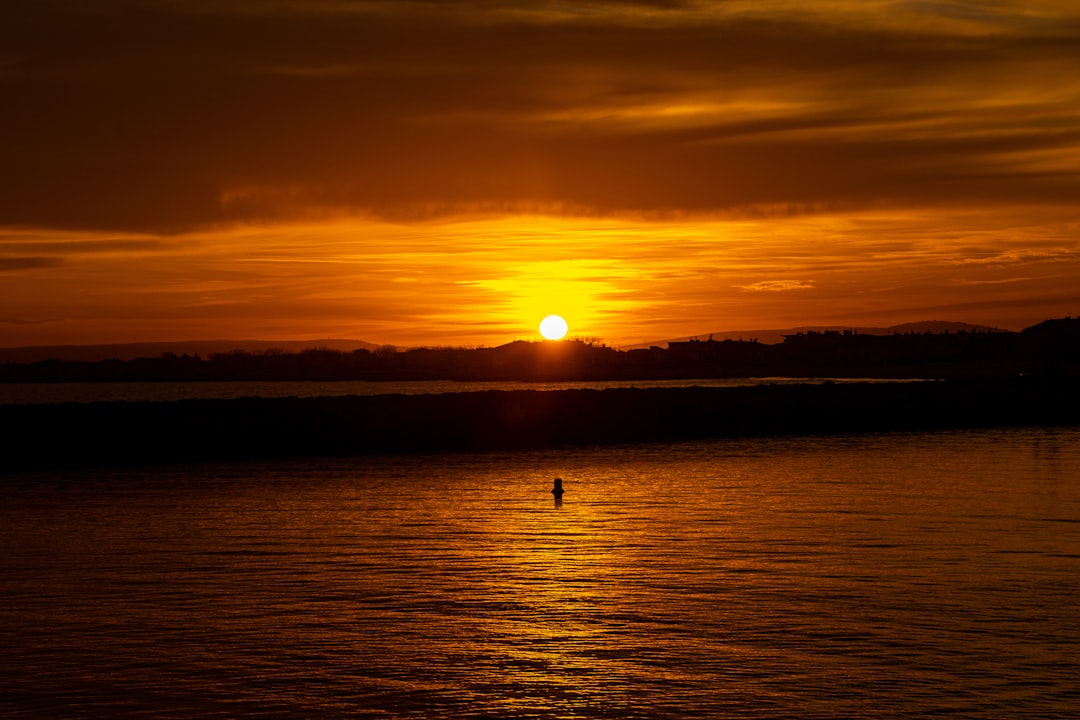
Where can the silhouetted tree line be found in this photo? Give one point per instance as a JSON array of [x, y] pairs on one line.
[[1049, 349]]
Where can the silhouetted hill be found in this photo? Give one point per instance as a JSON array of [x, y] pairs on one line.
[[774, 336], [1049, 349], [130, 351]]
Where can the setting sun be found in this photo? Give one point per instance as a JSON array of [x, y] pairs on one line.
[[553, 327]]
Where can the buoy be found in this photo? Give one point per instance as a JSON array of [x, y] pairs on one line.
[[557, 491]]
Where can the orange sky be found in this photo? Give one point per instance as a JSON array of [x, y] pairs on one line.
[[447, 173]]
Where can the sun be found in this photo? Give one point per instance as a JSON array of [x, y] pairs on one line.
[[553, 327]]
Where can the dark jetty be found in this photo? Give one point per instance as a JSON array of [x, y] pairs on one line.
[[111, 433]]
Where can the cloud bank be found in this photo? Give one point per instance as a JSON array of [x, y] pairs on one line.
[[163, 115]]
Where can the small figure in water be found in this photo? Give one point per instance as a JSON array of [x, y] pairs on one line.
[[557, 491]]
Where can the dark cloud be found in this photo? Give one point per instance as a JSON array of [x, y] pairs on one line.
[[21, 321], [66, 247], [10, 264], [169, 115]]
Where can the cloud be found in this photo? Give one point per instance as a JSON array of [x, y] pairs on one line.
[[20, 321], [53, 244], [777, 286], [998, 281], [422, 170], [13, 264], [1021, 255], [182, 114], [490, 279]]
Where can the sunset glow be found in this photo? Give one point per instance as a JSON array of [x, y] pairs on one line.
[[656, 169]]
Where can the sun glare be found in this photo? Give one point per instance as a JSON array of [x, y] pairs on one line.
[[553, 327]]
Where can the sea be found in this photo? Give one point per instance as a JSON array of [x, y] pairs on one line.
[[902, 575]]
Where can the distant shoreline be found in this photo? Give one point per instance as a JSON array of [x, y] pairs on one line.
[[75, 435], [1050, 349]]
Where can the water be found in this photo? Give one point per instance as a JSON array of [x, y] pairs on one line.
[[908, 575], [38, 393]]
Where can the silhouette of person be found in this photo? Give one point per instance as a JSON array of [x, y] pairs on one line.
[[557, 491]]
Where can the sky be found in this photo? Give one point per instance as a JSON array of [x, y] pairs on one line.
[[447, 173]]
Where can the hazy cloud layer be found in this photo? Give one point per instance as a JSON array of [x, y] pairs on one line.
[[489, 281]]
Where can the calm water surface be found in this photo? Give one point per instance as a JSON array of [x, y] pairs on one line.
[[916, 575]]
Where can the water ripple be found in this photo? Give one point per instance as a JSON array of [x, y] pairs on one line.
[[888, 577]]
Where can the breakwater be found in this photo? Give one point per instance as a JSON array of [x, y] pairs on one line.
[[107, 433]]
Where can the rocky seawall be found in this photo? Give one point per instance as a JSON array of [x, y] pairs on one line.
[[123, 433]]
